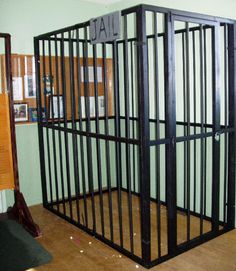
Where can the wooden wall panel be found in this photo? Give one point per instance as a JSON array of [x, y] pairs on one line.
[[23, 65], [6, 159]]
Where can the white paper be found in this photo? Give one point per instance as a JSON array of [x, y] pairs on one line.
[[82, 107], [30, 86], [56, 113], [17, 88], [101, 106], [91, 105], [91, 74]]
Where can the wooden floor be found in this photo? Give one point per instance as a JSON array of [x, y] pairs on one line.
[[72, 249], [126, 221]]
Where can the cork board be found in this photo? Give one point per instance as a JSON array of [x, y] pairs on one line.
[[6, 159]]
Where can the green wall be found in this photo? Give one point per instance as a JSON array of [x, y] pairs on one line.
[[26, 19]]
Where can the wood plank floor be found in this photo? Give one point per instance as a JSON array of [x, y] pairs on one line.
[[126, 222], [73, 249]]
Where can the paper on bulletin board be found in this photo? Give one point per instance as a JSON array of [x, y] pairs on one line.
[[30, 86], [101, 106], [6, 159], [91, 74], [17, 88], [91, 107]]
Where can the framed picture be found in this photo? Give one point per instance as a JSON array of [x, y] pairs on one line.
[[30, 86], [33, 114], [56, 106], [48, 84], [21, 112]]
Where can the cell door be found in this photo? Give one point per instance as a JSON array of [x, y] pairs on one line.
[[204, 128]]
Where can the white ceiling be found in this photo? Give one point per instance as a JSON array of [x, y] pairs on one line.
[[103, 1]]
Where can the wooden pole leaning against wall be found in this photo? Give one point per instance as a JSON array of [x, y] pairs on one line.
[[19, 211]]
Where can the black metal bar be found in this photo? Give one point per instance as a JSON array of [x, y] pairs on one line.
[[226, 103], [157, 135], [188, 129], [133, 113], [47, 130], [107, 146], [73, 116], [98, 146], [170, 132], [202, 117], [59, 124], [88, 125], [195, 120], [117, 133], [53, 131], [144, 150], [40, 128], [205, 118], [94, 135], [81, 129], [127, 132], [232, 123], [184, 112], [64, 91], [216, 124]]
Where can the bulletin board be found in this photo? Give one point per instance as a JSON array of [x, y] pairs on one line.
[[6, 159], [24, 84]]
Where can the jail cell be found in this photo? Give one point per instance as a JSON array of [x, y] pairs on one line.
[[136, 135]]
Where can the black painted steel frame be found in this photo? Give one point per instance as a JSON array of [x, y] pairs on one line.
[[143, 142]]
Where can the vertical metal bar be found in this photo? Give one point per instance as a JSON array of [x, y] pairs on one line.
[[117, 129], [226, 93], [127, 132], [232, 123], [40, 128], [202, 117], [73, 119], [184, 111], [170, 131], [195, 121], [157, 134], [188, 129], [133, 113], [88, 125], [107, 141], [99, 171], [47, 129], [64, 91], [59, 124], [216, 127], [53, 130], [206, 118], [81, 129], [144, 149]]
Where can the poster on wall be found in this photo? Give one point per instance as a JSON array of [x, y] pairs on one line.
[[56, 107], [101, 106], [21, 112], [91, 107], [17, 88], [91, 74], [48, 84], [30, 86]]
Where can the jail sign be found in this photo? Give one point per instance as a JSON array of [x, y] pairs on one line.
[[105, 28]]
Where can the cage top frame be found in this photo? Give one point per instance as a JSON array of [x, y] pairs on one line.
[[205, 19]]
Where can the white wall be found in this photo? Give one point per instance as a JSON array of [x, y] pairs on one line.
[[211, 7], [25, 19]]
